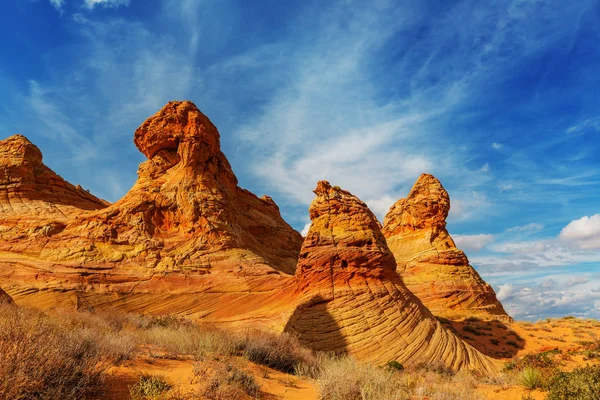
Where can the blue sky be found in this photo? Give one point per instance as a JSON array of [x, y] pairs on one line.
[[498, 99]]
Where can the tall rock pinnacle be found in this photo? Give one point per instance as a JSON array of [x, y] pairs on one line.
[[431, 266], [351, 299]]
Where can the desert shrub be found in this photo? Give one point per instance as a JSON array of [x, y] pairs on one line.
[[343, 378], [394, 365], [471, 329], [435, 367], [512, 343], [530, 378], [495, 342], [281, 352], [230, 383], [580, 384], [149, 387], [39, 359]]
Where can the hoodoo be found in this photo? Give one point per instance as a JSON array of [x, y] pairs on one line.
[[185, 227], [431, 265], [351, 299]]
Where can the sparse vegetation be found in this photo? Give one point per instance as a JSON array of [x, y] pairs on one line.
[[471, 329], [151, 387], [230, 383], [530, 378], [580, 384], [66, 355], [60, 357]]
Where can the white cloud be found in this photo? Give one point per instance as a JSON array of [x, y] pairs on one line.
[[57, 124], [506, 187], [465, 206], [473, 243], [548, 283], [552, 300], [381, 206], [304, 231], [526, 228], [579, 280], [58, 4], [592, 124], [105, 3], [504, 292], [485, 168], [583, 232], [497, 146]]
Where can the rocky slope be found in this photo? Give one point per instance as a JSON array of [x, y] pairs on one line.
[[185, 228], [5, 298], [351, 299], [431, 265]]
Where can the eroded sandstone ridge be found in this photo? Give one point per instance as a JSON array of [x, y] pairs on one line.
[[431, 265], [351, 299], [185, 227], [29, 189]]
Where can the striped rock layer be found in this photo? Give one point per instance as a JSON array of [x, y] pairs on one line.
[[427, 258], [5, 298], [185, 238], [351, 299]]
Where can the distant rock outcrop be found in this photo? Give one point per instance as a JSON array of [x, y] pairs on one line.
[[431, 266], [185, 227], [29, 189], [351, 299]]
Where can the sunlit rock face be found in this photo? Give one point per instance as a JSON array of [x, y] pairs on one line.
[[431, 265], [351, 299], [184, 228]]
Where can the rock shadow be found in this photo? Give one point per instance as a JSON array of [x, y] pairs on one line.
[[493, 338], [316, 328]]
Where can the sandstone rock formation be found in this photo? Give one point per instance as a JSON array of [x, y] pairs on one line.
[[5, 298], [431, 266], [183, 232], [351, 299], [29, 189]]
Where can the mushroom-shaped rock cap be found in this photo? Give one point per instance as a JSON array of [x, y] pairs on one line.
[[178, 132], [17, 149], [427, 205]]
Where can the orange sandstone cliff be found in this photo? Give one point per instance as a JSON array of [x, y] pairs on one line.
[[431, 266], [184, 236], [351, 299]]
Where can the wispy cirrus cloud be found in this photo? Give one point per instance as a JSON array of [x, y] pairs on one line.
[[526, 228], [105, 3], [58, 4]]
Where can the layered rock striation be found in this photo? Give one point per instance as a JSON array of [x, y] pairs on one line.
[[5, 298], [427, 258], [185, 227], [31, 190], [351, 299]]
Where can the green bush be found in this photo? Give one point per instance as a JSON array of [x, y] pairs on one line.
[[580, 384], [530, 378], [394, 365], [470, 329], [149, 387]]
